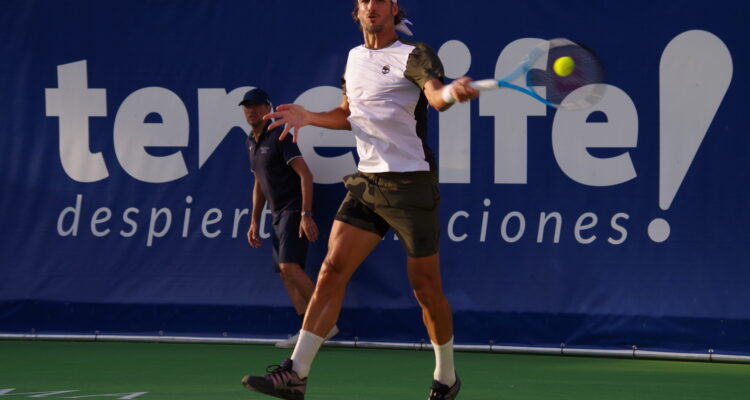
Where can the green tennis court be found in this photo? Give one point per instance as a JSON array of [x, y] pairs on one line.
[[161, 371]]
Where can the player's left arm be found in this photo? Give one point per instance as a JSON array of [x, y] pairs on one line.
[[459, 89], [307, 225]]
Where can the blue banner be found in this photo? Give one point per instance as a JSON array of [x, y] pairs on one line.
[[127, 190]]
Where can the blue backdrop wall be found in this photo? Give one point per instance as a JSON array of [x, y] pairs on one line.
[[126, 188]]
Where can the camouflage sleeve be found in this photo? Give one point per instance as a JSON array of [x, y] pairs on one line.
[[423, 65]]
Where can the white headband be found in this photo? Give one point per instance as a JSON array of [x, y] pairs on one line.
[[401, 27]]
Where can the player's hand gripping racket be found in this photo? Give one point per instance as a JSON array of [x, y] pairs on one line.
[[557, 72]]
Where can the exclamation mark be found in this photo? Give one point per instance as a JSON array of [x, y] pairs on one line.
[[694, 76]]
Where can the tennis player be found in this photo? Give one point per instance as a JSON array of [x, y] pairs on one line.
[[388, 84]]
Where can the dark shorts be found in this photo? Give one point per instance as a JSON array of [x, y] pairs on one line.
[[288, 247], [408, 202]]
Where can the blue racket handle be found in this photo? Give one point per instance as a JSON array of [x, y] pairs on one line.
[[485, 84]]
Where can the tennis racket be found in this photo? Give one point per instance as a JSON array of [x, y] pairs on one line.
[[574, 89]]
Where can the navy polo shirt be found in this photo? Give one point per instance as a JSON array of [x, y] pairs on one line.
[[269, 160]]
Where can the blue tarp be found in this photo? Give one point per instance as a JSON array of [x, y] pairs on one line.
[[126, 187]]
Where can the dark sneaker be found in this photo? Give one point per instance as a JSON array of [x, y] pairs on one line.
[[443, 392], [280, 381]]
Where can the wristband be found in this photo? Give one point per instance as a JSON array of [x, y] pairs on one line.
[[446, 94]]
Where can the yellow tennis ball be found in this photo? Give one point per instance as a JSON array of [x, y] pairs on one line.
[[564, 66]]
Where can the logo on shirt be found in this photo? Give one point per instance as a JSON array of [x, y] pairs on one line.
[[264, 149], [386, 69]]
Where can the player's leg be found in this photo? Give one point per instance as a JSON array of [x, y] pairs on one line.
[[354, 235], [409, 202], [356, 231], [347, 248], [424, 276], [299, 286]]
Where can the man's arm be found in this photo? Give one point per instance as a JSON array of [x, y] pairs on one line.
[[459, 90], [295, 116], [259, 201], [307, 225]]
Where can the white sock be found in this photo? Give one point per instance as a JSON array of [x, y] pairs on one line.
[[307, 347], [445, 372]]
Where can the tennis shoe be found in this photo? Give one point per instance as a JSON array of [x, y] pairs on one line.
[[280, 381], [440, 391]]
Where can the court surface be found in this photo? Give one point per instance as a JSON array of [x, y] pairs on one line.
[[170, 371]]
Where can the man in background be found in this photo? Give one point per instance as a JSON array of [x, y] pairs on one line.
[[283, 179]]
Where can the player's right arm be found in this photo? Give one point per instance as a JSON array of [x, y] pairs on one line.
[[259, 201], [295, 116]]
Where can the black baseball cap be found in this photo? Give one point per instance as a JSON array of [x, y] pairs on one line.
[[257, 96]]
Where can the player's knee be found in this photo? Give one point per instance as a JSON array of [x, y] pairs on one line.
[[428, 295], [331, 274]]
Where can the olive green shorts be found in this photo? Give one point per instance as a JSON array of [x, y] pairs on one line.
[[408, 202]]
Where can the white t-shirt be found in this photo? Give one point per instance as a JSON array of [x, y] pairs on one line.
[[387, 105]]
